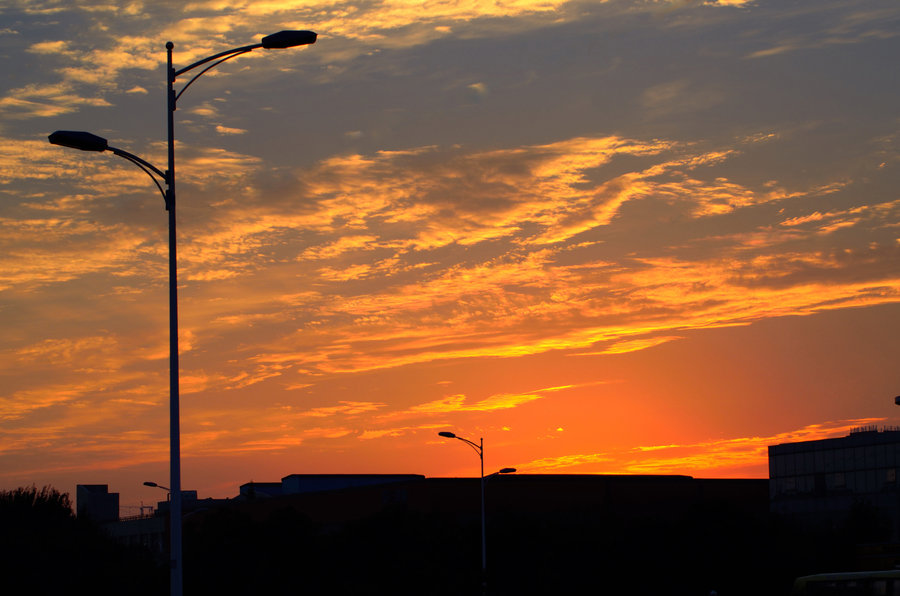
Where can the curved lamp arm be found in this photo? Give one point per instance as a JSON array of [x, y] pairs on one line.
[[155, 485], [500, 471], [85, 141], [471, 444], [225, 56], [148, 167], [280, 40]]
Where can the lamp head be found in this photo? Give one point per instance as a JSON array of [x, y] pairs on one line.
[[288, 39], [507, 471], [897, 400], [153, 484], [77, 139], [447, 434]]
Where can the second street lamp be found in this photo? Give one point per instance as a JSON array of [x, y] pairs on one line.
[[155, 485], [479, 449], [86, 141], [165, 488]]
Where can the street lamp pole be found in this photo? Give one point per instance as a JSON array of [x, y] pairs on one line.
[[479, 449], [89, 142], [176, 579]]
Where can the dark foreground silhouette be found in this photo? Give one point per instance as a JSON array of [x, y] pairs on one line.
[[276, 546], [398, 552], [45, 549]]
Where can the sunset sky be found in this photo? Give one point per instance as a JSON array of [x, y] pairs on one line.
[[608, 237]]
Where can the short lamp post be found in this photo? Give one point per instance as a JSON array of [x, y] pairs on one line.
[[86, 141], [479, 449]]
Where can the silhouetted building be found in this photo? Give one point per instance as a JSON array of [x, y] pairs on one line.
[[260, 490], [825, 482], [295, 484], [153, 531], [94, 501], [334, 500], [545, 534], [313, 483]]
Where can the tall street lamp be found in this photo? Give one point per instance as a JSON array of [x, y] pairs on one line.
[[479, 449], [88, 142]]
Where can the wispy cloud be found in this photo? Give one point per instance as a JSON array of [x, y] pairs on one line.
[[538, 294], [459, 403], [859, 25], [346, 408]]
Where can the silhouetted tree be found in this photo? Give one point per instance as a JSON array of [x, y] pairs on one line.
[[45, 549]]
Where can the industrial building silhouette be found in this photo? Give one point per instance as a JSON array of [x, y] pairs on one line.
[[828, 505]]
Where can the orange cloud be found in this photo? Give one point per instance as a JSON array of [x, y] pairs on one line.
[[633, 345], [453, 404], [544, 289], [347, 408]]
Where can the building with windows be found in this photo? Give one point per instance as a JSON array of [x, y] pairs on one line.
[[827, 481]]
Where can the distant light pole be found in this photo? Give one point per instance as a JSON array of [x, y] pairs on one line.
[[86, 141], [479, 449]]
